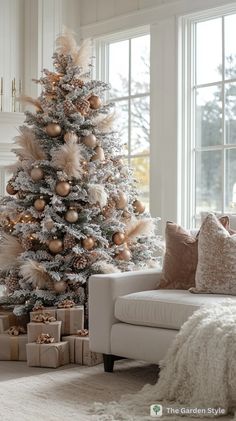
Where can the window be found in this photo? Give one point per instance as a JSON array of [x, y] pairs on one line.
[[124, 62], [210, 116]]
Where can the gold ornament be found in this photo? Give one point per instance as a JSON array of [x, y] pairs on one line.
[[60, 286], [118, 238], [71, 215], [95, 102], [138, 206], [99, 154], [53, 129], [88, 243], [90, 140], [10, 189], [55, 245], [63, 188], [126, 215], [36, 173], [71, 137], [40, 204], [121, 201], [124, 255]]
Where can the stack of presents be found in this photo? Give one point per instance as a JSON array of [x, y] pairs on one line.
[[54, 336]]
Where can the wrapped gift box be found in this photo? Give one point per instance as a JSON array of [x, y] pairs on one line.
[[52, 328], [50, 311], [15, 320], [13, 347], [72, 319], [80, 352], [4, 323], [47, 355]]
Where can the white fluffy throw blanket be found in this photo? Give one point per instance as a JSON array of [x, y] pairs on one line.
[[199, 371]]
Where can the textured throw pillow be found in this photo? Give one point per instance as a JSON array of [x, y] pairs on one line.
[[180, 260], [216, 268]]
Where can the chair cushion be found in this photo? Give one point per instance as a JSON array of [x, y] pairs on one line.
[[162, 308]]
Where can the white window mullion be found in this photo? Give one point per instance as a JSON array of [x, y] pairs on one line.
[[224, 153]]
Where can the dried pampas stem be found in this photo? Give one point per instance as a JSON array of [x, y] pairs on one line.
[[28, 100], [103, 267], [97, 194], [67, 45], [137, 228], [105, 124], [68, 158], [34, 273], [10, 250], [29, 147]]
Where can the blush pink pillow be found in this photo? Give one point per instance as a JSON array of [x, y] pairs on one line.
[[180, 260]]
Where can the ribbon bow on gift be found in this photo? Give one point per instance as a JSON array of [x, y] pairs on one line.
[[45, 338], [66, 304], [43, 318], [38, 307], [83, 332], [16, 330]]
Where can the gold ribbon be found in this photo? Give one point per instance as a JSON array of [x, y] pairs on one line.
[[45, 338], [43, 318], [38, 308], [66, 304], [16, 330], [14, 348], [82, 333]]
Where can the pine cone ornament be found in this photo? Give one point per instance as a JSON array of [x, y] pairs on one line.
[[77, 83], [12, 283], [82, 106], [61, 63], [69, 107], [80, 261], [69, 241], [27, 243]]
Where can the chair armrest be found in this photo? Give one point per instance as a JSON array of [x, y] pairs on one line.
[[103, 292]]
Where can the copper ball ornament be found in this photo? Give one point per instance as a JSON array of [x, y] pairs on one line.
[[99, 154], [36, 174], [60, 286], [95, 102], [55, 246], [71, 215], [138, 206], [63, 188], [40, 204], [88, 243], [118, 238], [90, 141], [71, 137], [124, 255], [53, 129], [121, 201], [10, 189]]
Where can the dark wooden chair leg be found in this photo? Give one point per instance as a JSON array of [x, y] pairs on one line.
[[108, 361]]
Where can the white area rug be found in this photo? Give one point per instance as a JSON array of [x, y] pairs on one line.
[[37, 394]]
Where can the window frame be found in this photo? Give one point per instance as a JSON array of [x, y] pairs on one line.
[[186, 109], [101, 52]]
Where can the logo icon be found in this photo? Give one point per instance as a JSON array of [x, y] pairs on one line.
[[156, 410]]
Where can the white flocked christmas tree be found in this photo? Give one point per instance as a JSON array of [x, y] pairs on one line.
[[72, 208]]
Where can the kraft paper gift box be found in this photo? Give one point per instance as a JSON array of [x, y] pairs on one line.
[[52, 328], [72, 319], [50, 311], [13, 348], [47, 355], [4, 323], [80, 352]]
